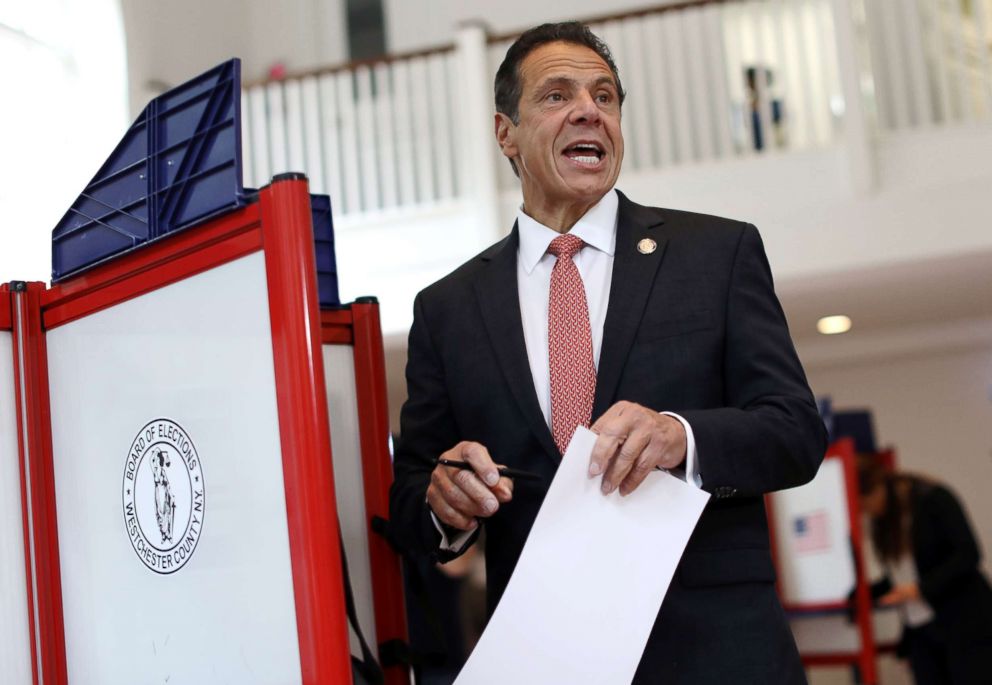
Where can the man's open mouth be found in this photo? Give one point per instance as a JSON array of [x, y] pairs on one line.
[[585, 153]]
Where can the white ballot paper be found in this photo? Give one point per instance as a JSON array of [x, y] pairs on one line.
[[590, 580]]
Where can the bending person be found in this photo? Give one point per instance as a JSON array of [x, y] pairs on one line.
[[921, 535]]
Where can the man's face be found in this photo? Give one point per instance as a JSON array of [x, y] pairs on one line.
[[567, 145]]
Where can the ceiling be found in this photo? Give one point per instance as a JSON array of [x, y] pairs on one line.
[[933, 292]]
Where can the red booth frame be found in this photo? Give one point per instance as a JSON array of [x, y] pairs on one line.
[[40, 606], [358, 325], [279, 224], [843, 450]]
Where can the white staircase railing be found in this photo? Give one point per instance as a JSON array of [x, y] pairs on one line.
[[374, 136], [392, 135], [706, 82], [931, 60]]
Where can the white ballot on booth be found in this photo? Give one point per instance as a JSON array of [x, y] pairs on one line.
[[589, 583]]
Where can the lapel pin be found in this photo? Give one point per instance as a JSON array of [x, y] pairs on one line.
[[647, 246]]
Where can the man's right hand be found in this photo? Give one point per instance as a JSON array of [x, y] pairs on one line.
[[458, 497]]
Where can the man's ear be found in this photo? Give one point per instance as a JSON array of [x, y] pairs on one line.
[[505, 135]]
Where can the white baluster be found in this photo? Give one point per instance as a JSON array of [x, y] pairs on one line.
[[731, 19], [330, 125], [277, 127], [364, 110], [915, 65], [858, 145], [681, 95], [350, 165], [807, 79], [259, 137], [936, 49], [404, 132], [890, 15], [294, 126], [817, 56], [702, 114], [248, 173], [716, 68], [477, 149], [959, 70], [312, 153], [459, 162], [784, 74], [422, 140], [636, 109], [441, 125], [982, 32], [659, 93], [832, 85], [793, 100], [386, 134]]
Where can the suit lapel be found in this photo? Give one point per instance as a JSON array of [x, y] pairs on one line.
[[633, 278], [496, 289]]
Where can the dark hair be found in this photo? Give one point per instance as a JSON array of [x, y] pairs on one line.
[[508, 87], [889, 532]]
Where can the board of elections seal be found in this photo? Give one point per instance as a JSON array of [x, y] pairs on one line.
[[163, 496]]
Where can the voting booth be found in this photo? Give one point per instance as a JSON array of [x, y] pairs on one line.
[[188, 439], [354, 367], [819, 545]]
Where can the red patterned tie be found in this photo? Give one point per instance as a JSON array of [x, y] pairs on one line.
[[573, 374]]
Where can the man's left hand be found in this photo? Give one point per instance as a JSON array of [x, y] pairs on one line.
[[632, 441]]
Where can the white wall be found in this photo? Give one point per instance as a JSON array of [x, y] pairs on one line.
[[375, 259], [171, 42]]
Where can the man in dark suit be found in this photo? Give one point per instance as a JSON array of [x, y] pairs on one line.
[[659, 327]]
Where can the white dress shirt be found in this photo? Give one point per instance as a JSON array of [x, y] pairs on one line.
[[598, 230]]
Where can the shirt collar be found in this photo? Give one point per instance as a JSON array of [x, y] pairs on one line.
[[597, 228]]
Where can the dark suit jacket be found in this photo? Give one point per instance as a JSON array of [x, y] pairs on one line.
[[693, 328]]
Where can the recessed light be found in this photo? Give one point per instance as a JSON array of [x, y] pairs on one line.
[[832, 325]]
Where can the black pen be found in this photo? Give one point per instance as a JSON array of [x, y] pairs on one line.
[[503, 471]]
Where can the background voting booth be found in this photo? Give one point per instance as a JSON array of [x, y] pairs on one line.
[[819, 544], [173, 510]]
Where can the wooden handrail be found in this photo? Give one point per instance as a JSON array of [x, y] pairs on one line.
[[355, 64]]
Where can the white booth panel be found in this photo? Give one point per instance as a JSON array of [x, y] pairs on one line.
[[349, 488], [812, 534], [15, 636], [169, 486]]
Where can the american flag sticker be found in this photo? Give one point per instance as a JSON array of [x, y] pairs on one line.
[[811, 532]]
